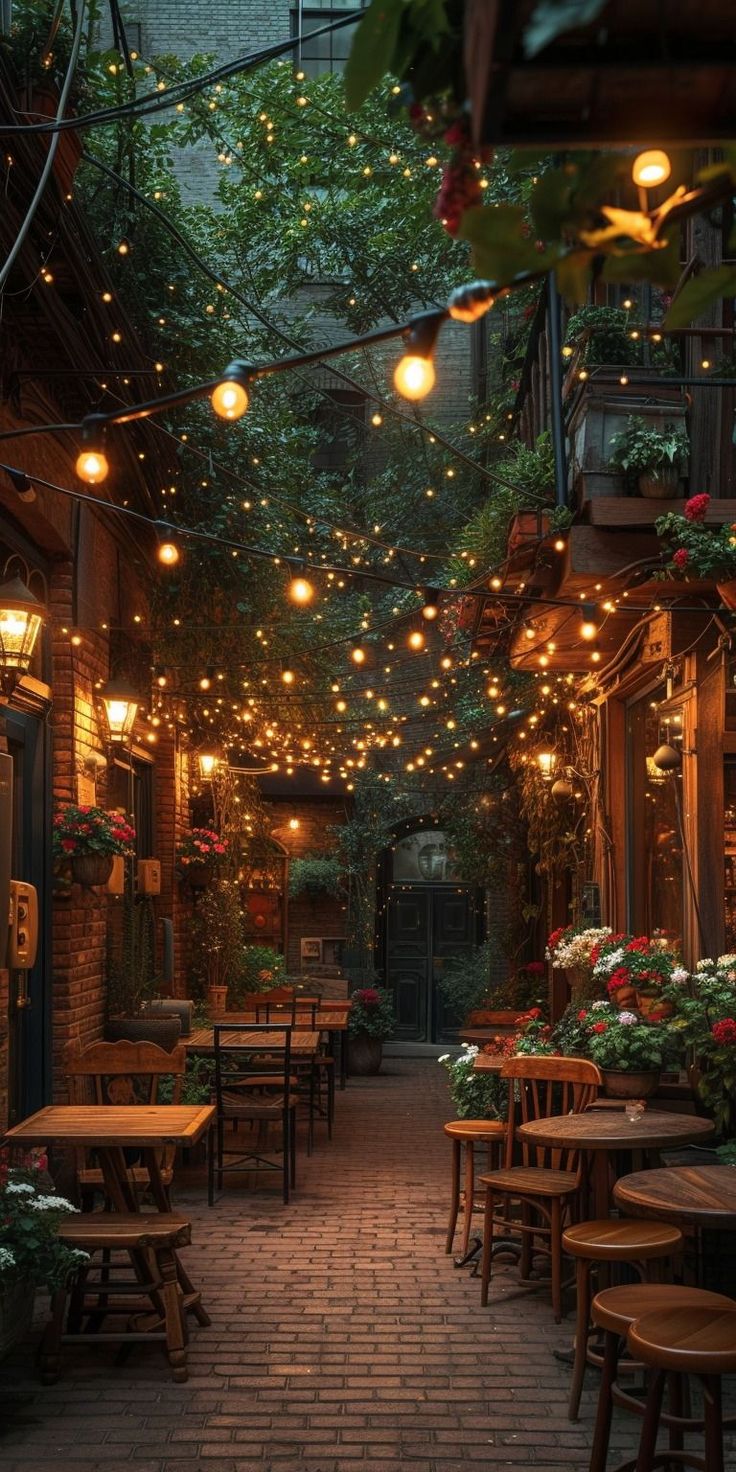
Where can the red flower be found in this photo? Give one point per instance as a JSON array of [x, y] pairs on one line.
[[681, 558], [68, 845], [600, 1027], [724, 1033], [621, 977], [582, 1015], [556, 936], [696, 507], [639, 943], [535, 968]]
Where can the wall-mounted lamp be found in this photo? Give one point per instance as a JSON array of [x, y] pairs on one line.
[[120, 704], [21, 616], [208, 763], [546, 761]]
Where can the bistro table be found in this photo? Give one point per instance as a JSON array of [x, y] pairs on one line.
[[701, 1195], [303, 1044], [331, 1018], [599, 1133]]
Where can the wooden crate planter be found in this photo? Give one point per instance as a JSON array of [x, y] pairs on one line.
[[601, 411]]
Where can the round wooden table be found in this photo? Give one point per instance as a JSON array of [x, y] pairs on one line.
[[702, 1195], [599, 1132]]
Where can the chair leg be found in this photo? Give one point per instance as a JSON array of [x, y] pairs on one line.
[[469, 1193], [292, 1145], [50, 1353], [220, 1151], [330, 1100], [286, 1154], [713, 1418], [555, 1248], [582, 1321], [650, 1425], [174, 1323], [604, 1412], [455, 1197], [485, 1270], [210, 1167], [527, 1243]]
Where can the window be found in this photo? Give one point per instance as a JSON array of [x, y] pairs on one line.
[[656, 858], [128, 791], [329, 52]]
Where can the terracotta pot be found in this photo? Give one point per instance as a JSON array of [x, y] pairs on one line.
[[164, 1031], [580, 983], [653, 1006], [624, 998], [364, 1054], [727, 593], [217, 1000], [621, 1084], [198, 876], [16, 1313], [92, 870], [659, 485]]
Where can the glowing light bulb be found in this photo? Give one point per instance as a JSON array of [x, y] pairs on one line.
[[300, 590], [288, 677], [651, 168], [230, 399], [293, 824], [416, 639], [92, 466], [358, 654], [169, 554], [588, 629], [414, 376]]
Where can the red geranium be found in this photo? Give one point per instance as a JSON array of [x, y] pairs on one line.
[[681, 558], [535, 968], [724, 1033], [695, 509], [599, 1027]]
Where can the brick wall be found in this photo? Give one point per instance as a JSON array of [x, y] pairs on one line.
[[322, 915]]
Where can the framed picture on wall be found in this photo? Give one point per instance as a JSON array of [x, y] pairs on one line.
[[311, 949]]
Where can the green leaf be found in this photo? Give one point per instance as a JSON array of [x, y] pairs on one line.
[[573, 275], [550, 18], [550, 202], [698, 294], [659, 266], [500, 248], [372, 50]]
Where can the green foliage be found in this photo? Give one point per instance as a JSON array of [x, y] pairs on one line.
[[372, 1013], [216, 932], [642, 449], [315, 874], [131, 974], [530, 475], [698, 550], [198, 1081], [603, 336], [256, 969], [622, 1041], [30, 1213], [698, 294], [90, 830], [465, 981], [474, 1095]]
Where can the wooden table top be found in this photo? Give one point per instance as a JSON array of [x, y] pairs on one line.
[[597, 1129], [107, 1124], [488, 1063], [704, 1195], [326, 1019], [202, 1040]]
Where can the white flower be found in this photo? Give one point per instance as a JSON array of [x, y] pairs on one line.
[[607, 964], [680, 975], [51, 1203], [471, 1050], [628, 1017], [596, 1006], [443, 1058], [704, 964], [19, 1188], [7, 1261]]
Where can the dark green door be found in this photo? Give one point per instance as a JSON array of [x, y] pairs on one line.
[[426, 925]]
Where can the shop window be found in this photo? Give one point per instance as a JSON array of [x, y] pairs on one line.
[[329, 52], [130, 789], [656, 859]]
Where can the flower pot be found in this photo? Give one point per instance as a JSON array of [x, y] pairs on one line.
[[659, 485], [364, 1054], [217, 1000], [624, 998], [16, 1313], [198, 876], [622, 1084], [173, 1007], [654, 1006], [727, 593], [164, 1031], [92, 870]]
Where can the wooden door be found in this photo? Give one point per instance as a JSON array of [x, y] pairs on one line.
[[454, 927], [409, 959]]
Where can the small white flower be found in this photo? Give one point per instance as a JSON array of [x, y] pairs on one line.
[[596, 1006], [680, 975], [471, 1050], [443, 1058], [7, 1261], [628, 1017], [704, 964], [51, 1203], [19, 1188]]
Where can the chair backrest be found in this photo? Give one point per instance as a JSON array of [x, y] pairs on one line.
[[299, 1012], [264, 1052], [544, 1086], [123, 1073]]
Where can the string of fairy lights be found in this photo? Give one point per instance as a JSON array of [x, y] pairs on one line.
[[229, 395]]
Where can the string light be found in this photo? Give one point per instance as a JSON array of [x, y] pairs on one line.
[[230, 398], [300, 590], [168, 554], [651, 168]]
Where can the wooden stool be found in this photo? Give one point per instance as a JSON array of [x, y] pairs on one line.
[[151, 1299], [607, 1241], [677, 1342], [614, 1311], [468, 1132]]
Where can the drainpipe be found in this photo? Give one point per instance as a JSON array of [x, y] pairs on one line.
[[554, 345]]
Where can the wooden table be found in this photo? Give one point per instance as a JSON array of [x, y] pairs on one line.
[[598, 1133], [332, 1018], [701, 1195], [303, 1044]]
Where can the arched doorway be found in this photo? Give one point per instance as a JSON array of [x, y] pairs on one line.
[[429, 916]]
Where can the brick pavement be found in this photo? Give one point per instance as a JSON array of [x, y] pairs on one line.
[[342, 1337]]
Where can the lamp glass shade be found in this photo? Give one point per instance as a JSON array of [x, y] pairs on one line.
[[546, 761], [21, 616], [207, 763], [120, 704]]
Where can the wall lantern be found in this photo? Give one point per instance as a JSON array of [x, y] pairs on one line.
[[120, 704], [21, 616], [546, 761], [208, 762], [666, 758]]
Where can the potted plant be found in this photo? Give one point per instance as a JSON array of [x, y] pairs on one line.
[[315, 875], [636, 971], [198, 854], [474, 1095], [256, 969], [370, 1022], [132, 981], [89, 838], [217, 941], [629, 1051], [705, 1021], [31, 1255], [570, 949], [656, 457], [700, 551]]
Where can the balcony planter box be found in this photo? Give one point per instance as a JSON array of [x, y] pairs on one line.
[[527, 528], [600, 411]]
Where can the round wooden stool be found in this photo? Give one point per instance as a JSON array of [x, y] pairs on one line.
[[614, 1311], [685, 1341], [469, 1132], [606, 1241]]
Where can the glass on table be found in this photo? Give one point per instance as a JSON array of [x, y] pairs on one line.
[[634, 1109]]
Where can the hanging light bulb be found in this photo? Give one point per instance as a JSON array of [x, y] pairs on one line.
[[651, 168], [205, 682], [431, 605], [588, 627], [357, 653], [414, 375], [288, 676], [300, 590], [92, 466], [416, 639], [168, 554], [230, 398]]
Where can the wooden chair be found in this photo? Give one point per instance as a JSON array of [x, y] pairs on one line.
[[676, 1331], [636, 1243], [254, 1085], [547, 1181], [121, 1073], [468, 1133], [301, 1012]]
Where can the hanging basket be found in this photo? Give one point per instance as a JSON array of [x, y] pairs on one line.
[[198, 876], [92, 870]]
